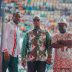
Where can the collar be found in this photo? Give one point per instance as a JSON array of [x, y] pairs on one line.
[[36, 28]]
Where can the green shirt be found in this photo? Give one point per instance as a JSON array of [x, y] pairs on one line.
[[36, 45]]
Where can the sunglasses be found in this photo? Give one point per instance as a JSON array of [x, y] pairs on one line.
[[36, 20], [62, 24]]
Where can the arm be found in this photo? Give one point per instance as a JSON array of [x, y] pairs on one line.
[[62, 43], [66, 42], [6, 35], [49, 48], [4, 39], [24, 47], [57, 45], [18, 41]]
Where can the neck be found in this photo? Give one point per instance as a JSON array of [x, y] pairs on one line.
[[16, 22], [36, 28]]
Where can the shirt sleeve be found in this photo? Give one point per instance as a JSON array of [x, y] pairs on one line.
[[24, 47], [48, 45], [18, 40], [5, 36]]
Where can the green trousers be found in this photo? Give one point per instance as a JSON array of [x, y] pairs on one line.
[[11, 64]]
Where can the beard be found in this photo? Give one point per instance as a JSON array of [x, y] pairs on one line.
[[62, 31], [16, 22]]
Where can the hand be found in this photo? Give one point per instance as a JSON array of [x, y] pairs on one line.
[[23, 63], [6, 56], [60, 42], [49, 61], [57, 45], [67, 43]]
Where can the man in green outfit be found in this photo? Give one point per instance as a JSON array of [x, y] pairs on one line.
[[36, 48]]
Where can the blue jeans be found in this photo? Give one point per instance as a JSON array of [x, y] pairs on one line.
[[38, 66]]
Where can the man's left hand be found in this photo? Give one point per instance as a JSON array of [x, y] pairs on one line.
[[49, 61]]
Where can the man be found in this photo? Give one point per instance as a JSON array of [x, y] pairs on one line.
[[10, 48], [62, 41], [36, 48]]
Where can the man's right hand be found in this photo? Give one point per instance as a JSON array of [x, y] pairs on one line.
[[23, 63], [6, 56], [57, 44]]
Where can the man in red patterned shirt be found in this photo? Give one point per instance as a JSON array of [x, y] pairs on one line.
[[62, 42]]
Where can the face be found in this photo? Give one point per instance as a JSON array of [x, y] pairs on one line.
[[16, 18], [62, 28], [36, 22]]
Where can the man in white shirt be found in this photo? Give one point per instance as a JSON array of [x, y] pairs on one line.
[[11, 48]]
